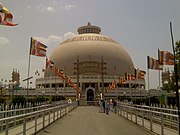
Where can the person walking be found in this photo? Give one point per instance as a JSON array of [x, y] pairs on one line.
[[107, 107], [100, 106], [103, 102], [114, 105]]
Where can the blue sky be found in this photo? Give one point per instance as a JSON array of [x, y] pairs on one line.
[[141, 26]]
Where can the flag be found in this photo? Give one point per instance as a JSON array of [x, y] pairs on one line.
[[153, 64], [127, 76], [37, 48], [136, 72], [5, 16], [166, 58], [122, 80], [141, 74], [57, 71], [133, 77], [3, 9], [49, 63]]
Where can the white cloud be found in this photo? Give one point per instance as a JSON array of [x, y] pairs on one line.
[[53, 39], [4, 40], [68, 7], [68, 35], [50, 39], [50, 9], [28, 7], [43, 8]]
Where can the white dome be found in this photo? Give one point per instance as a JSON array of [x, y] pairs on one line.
[[90, 46]]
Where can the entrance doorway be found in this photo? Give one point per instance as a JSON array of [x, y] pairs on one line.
[[90, 95]]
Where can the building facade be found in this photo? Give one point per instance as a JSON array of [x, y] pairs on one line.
[[93, 61]]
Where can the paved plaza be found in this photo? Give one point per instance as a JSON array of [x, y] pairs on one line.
[[86, 120]]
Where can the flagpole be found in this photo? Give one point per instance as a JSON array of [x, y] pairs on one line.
[[148, 87], [177, 78], [29, 67], [159, 79]]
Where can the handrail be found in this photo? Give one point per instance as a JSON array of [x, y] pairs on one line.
[[154, 117], [46, 116], [25, 110], [166, 109]]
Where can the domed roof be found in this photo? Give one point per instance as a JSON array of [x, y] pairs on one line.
[[92, 47]]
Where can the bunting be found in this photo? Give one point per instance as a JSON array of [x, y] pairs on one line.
[[112, 86], [61, 74], [49, 63]]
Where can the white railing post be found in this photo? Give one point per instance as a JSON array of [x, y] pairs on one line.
[[178, 123], [60, 112], [49, 120], [43, 119], [162, 124], [7, 126], [54, 114], [131, 113], [1, 125], [151, 129], [35, 124], [143, 118], [67, 109], [136, 117], [24, 125]]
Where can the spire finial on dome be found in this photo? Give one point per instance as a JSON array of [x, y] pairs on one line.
[[89, 29]]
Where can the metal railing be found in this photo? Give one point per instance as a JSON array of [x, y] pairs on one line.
[[31, 123], [159, 120], [17, 110]]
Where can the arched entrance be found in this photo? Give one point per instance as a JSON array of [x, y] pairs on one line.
[[90, 95]]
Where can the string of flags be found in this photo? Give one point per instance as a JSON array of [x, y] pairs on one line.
[[61, 74], [138, 75], [39, 49]]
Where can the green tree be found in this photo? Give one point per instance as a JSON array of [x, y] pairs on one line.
[[171, 84], [177, 57], [177, 51]]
